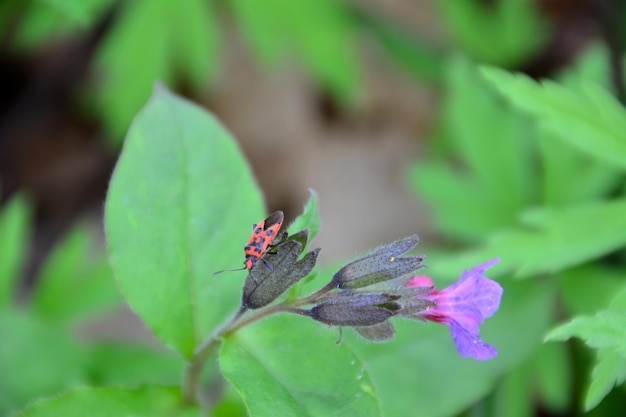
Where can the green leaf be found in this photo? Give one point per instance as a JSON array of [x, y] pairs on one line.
[[479, 127], [420, 368], [550, 240], [590, 287], [35, 360], [554, 376], [319, 32], [587, 117], [14, 232], [72, 9], [44, 21], [75, 282], [504, 33], [290, 366], [593, 65], [618, 303], [410, 52], [149, 401], [153, 40], [180, 205], [604, 330], [194, 41], [572, 176], [609, 371], [309, 219], [133, 365], [512, 394]]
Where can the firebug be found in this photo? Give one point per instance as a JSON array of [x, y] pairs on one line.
[[263, 234]]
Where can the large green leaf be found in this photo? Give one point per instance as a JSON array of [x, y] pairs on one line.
[[75, 282], [420, 368], [586, 116], [148, 401], [14, 229], [35, 360], [291, 366], [180, 207], [132, 365]]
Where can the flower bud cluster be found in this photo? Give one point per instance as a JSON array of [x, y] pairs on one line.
[[373, 289]]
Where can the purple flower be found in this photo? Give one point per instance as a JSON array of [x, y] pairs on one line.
[[462, 307]]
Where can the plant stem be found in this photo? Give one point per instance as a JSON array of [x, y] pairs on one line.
[[194, 367], [287, 307]]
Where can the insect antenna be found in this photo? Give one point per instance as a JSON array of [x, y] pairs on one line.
[[229, 270]]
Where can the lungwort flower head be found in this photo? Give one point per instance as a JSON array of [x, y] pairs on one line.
[[462, 307]]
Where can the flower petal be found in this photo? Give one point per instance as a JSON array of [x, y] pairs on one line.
[[473, 294], [420, 281], [469, 344]]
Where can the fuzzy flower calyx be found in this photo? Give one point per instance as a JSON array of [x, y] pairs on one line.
[[381, 265]]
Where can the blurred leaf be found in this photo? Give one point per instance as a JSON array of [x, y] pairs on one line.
[[407, 50], [490, 191], [587, 117], [503, 32], [179, 208], [44, 21], [279, 372], [129, 365], [618, 302], [591, 66], [194, 39], [75, 282], [73, 9], [589, 288], [230, 405], [609, 371], [420, 368], [36, 360], [14, 232], [319, 32], [149, 401], [554, 377], [604, 330], [572, 176], [151, 40], [556, 239], [513, 395], [309, 219]]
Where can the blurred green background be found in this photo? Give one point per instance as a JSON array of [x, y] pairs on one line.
[[380, 106]]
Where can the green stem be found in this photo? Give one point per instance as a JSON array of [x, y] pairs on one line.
[[287, 307], [193, 369]]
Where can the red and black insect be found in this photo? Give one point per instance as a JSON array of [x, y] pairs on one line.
[[263, 235]]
